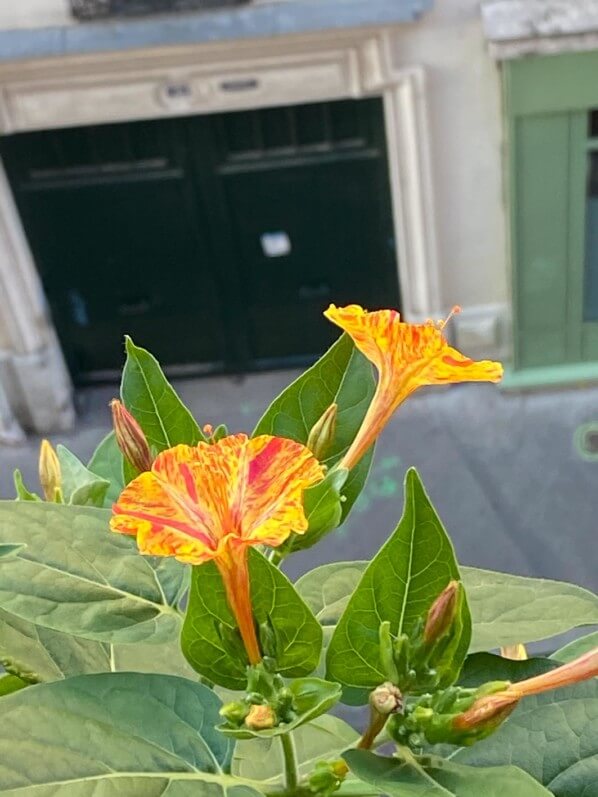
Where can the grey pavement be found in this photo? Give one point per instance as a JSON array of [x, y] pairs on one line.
[[503, 470]]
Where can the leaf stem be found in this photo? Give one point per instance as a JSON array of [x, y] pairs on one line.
[[291, 770]]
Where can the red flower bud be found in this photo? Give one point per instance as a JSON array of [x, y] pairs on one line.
[[442, 613], [487, 712], [130, 437]]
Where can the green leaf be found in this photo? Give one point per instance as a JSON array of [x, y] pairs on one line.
[[312, 697], [39, 654], [23, 494], [210, 638], [322, 739], [148, 395], [115, 734], [399, 586], [10, 684], [107, 462], [429, 776], [79, 485], [323, 510], [166, 658], [342, 376], [74, 575], [553, 736], [505, 609], [576, 648], [479, 668], [510, 609]]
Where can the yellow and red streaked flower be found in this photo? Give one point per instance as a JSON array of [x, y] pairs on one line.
[[211, 502], [406, 356]]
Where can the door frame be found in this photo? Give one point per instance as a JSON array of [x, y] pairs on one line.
[[207, 78]]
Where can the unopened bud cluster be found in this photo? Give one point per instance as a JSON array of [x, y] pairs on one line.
[[422, 660], [267, 704], [451, 716]]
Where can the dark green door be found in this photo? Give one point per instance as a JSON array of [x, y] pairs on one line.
[[214, 241]]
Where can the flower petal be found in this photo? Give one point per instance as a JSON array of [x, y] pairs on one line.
[[198, 501], [277, 472]]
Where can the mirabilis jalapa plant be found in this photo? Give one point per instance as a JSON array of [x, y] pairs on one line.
[[198, 668]]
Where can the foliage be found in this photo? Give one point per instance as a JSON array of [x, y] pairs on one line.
[[131, 675]]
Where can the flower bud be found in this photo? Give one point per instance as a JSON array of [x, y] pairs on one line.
[[487, 713], [442, 613], [514, 652], [234, 713], [327, 777], [386, 699], [50, 475], [322, 433], [130, 438], [260, 718]]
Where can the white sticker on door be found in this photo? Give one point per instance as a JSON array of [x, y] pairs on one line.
[[275, 244]]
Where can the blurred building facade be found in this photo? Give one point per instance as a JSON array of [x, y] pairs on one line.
[[209, 181]]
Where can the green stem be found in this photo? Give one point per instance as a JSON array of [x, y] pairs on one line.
[[291, 770]]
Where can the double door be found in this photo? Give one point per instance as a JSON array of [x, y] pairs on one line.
[[214, 241]]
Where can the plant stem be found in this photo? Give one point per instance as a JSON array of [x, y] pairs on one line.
[[377, 723], [291, 771]]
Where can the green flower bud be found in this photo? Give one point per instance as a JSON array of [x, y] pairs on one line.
[[321, 436], [234, 713]]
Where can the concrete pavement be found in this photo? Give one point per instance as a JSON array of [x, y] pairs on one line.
[[504, 470]]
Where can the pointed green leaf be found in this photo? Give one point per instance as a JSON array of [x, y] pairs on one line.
[[323, 739], [509, 609], [576, 648], [40, 654], [430, 776], [312, 697], [399, 586], [148, 395], [23, 494], [342, 376], [479, 668], [120, 734], [107, 463], [505, 609], [79, 485], [552, 736], [72, 574], [210, 638], [10, 684]]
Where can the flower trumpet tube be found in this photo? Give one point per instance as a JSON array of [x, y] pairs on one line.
[[211, 502], [495, 707], [406, 356]]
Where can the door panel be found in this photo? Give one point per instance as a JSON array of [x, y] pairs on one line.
[[327, 245], [117, 241]]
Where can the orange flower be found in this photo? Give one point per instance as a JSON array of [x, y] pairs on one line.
[[406, 356], [213, 501]]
